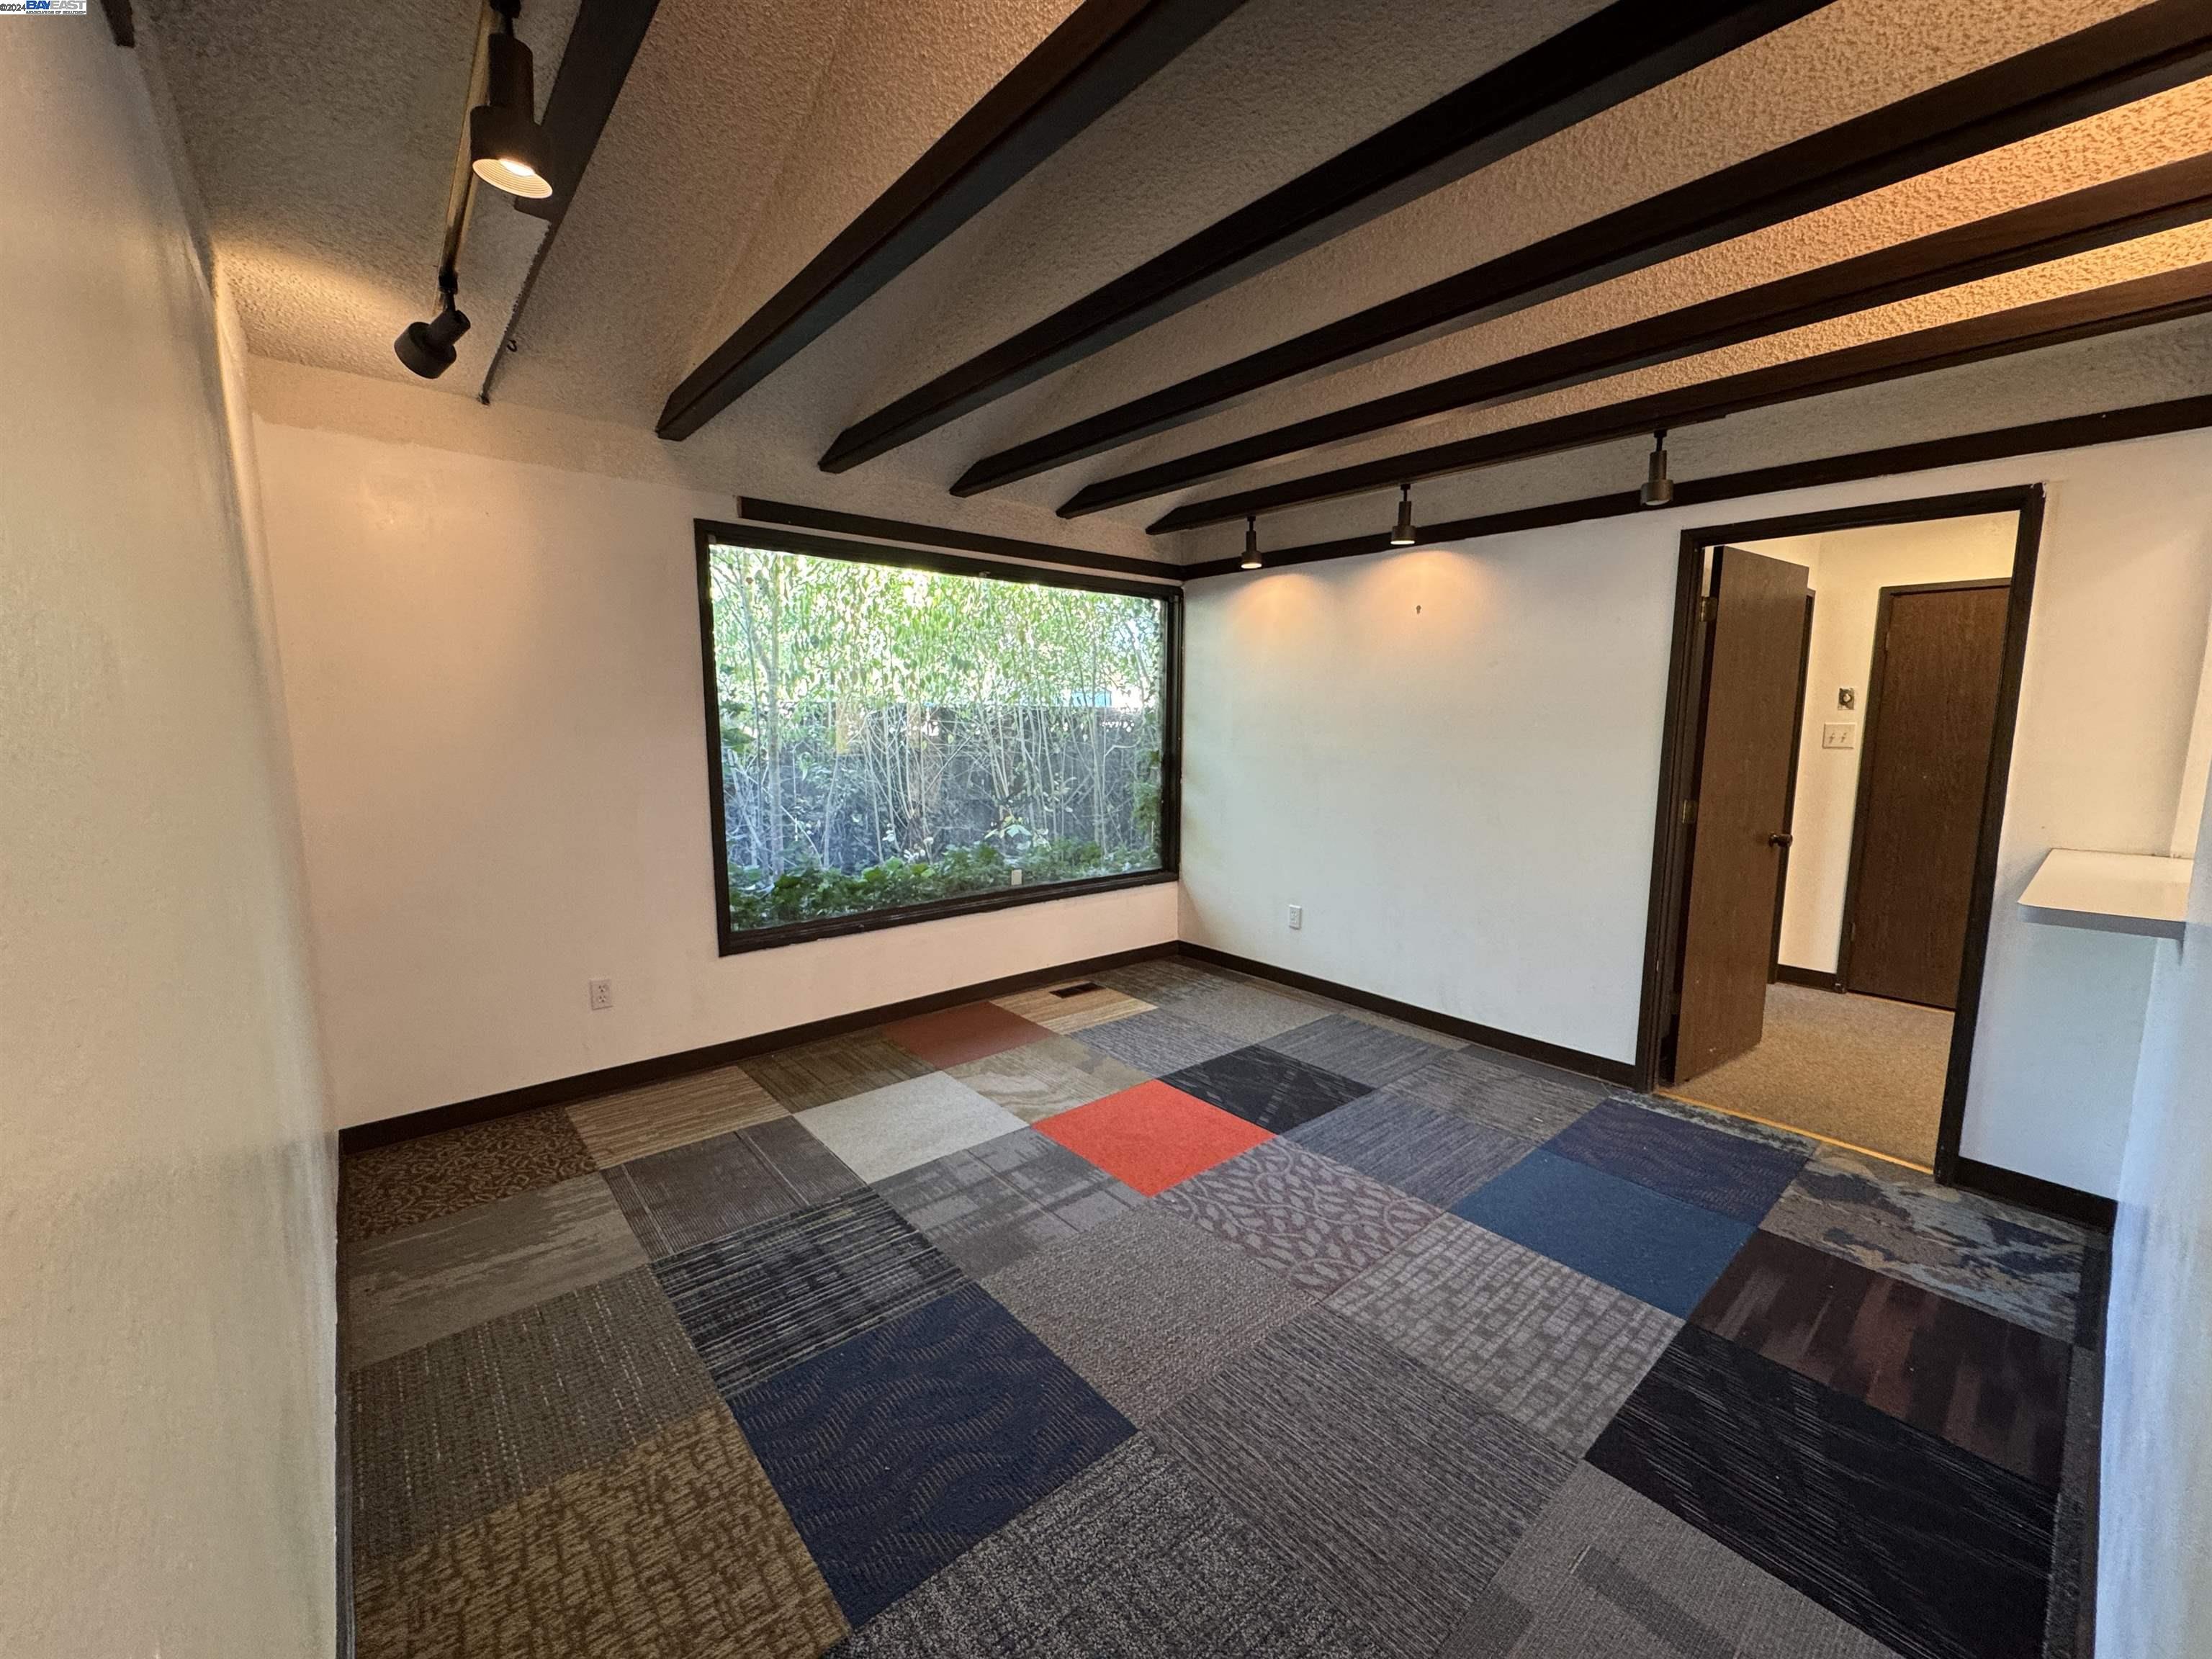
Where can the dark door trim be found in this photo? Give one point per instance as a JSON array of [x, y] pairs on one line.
[[1671, 841], [1790, 799], [1870, 732]]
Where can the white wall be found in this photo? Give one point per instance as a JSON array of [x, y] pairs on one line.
[[167, 1315], [1463, 795], [1848, 569], [496, 721]]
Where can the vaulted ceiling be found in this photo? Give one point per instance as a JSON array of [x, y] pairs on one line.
[[1116, 273]]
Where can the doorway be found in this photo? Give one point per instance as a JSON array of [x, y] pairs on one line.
[[1838, 734]]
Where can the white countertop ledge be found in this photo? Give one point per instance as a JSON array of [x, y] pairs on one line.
[[2116, 892]]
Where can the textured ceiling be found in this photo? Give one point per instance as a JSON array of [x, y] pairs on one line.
[[747, 136]]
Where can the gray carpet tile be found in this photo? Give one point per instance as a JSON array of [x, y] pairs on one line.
[[1555, 1352], [1266, 1087], [1605, 1573], [1428, 1153], [412, 1286], [1484, 1088], [1158, 1043], [1706, 1117], [446, 1434], [683, 1197], [989, 1205], [1133, 1558], [904, 1124], [1401, 1494], [1420, 1033], [1147, 1307], [1319, 1223], [1159, 979], [1040, 1080], [1250, 1014], [835, 1068], [1351, 1048]]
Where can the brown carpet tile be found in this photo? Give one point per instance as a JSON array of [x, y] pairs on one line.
[[388, 1188]]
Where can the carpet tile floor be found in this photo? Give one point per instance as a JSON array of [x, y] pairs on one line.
[[1168, 1312]]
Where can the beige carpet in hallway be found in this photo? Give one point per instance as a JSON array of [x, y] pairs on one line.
[[1857, 1069]]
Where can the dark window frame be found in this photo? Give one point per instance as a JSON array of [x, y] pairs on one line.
[[708, 532]]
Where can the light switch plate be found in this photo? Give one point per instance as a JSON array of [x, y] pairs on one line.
[[1839, 734]]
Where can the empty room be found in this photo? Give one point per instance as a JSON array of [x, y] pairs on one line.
[[1259, 828]]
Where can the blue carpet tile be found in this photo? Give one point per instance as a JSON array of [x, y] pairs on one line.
[[1441, 1159], [1266, 1087], [1924, 1546], [1730, 1174], [1621, 1233], [897, 1451]]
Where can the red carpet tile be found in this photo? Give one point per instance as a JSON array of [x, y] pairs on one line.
[[1153, 1136], [954, 1037]]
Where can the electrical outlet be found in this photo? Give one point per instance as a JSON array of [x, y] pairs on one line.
[[1838, 734], [1298, 916], [603, 994]]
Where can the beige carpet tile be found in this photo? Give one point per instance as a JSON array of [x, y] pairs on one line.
[[388, 1188], [1073, 1007], [835, 1068], [638, 1123], [415, 1286], [1160, 978], [1041, 1079], [678, 1548]]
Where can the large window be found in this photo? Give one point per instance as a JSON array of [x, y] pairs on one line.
[[894, 736]]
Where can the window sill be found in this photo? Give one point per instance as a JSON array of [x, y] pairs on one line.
[[1003, 898]]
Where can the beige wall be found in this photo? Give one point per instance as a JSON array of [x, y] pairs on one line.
[[496, 719], [167, 1319]]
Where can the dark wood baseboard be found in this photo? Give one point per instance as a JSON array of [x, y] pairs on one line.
[[2068, 1203], [1813, 978], [558, 1092], [1619, 1072]]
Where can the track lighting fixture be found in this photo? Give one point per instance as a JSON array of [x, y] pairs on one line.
[[1402, 536], [507, 147], [1658, 488], [427, 348], [1251, 542]]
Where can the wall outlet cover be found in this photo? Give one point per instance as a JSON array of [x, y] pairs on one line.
[[602, 993], [1839, 734], [1298, 916]]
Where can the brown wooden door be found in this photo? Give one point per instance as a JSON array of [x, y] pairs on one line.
[[1754, 645], [1931, 716]]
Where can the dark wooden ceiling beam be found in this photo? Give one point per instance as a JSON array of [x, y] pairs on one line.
[[2147, 51], [2139, 204], [2117, 305], [1101, 53], [1627, 48], [2036, 438], [795, 516]]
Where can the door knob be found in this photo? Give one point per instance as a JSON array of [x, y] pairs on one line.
[[1779, 838]]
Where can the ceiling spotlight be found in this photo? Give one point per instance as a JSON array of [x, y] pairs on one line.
[[1402, 536], [507, 147], [427, 348], [1658, 488], [1251, 542]]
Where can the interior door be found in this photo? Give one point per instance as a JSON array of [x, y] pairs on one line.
[[1755, 650], [1931, 716]]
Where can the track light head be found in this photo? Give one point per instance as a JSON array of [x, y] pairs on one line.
[[1658, 487], [1251, 542], [427, 349], [507, 147], [1403, 535]]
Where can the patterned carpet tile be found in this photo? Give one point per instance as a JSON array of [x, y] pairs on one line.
[[1436, 1158], [1320, 1224], [1726, 1123], [835, 1068], [2019, 1266], [1043, 1079], [1994, 1387], [1400, 1496], [1159, 979], [677, 1548], [992, 1205], [711, 1189], [1147, 1307], [1157, 1042], [1365, 1052], [762, 1300], [1073, 1007], [1535, 1103], [1248, 1012], [444, 1435], [1151, 1136], [388, 1188], [1923, 1546], [638, 1123], [1537, 1342], [1699, 1165], [886, 1130], [952, 1037], [1427, 1034], [1620, 1232], [900, 1449], [1605, 1573], [1268, 1088], [408, 1288], [1132, 1558]]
